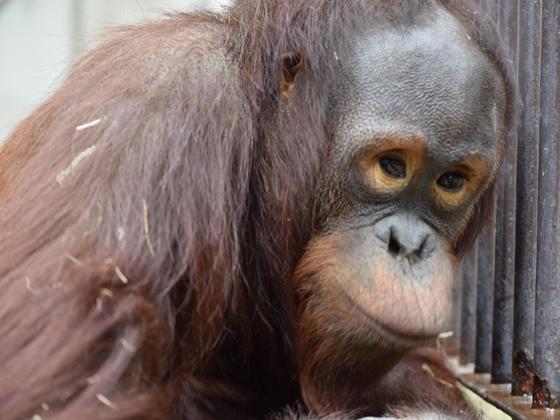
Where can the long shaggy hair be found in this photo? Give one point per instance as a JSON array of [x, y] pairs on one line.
[[152, 212]]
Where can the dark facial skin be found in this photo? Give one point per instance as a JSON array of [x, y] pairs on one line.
[[428, 92], [416, 122], [419, 113]]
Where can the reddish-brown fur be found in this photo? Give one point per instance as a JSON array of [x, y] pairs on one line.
[[154, 280]]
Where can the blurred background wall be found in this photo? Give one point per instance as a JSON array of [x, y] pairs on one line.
[[39, 39]]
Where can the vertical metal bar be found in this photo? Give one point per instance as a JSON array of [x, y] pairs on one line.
[[485, 291], [485, 268], [502, 336], [453, 343], [546, 391], [468, 314], [529, 54]]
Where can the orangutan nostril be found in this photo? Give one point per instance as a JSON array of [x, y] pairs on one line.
[[406, 237], [394, 245]]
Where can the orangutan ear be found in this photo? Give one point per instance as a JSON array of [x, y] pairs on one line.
[[292, 64]]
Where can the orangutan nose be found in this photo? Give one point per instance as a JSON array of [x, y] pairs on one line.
[[406, 237]]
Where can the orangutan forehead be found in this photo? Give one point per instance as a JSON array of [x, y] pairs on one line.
[[427, 77]]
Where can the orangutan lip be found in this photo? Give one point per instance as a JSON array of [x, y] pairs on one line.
[[383, 330], [398, 337]]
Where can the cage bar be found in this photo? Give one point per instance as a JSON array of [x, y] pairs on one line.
[[485, 291], [453, 343], [529, 53], [468, 307], [546, 392], [504, 276], [485, 265]]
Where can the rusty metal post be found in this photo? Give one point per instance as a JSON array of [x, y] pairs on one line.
[[468, 312], [529, 54], [546, 393], [502, 337]]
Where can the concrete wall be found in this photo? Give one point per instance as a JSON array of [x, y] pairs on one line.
[[40, 38]]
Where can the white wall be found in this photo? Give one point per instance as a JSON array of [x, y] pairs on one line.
[[40, 38]]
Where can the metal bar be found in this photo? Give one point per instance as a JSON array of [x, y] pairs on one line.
[[468, 313], [453, 343], [529, 48], [485, 291], [546, 393], [485, 268], [502, 336]]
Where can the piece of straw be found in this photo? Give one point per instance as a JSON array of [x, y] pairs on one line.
[[129, 347], [121, 275], [107, 292], [147, 228], [74, 164], [428, 369], [88, 125], [73, 259], [105, 401]]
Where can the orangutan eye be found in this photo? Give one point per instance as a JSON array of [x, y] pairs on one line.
[[393, 166], [452, 181]]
